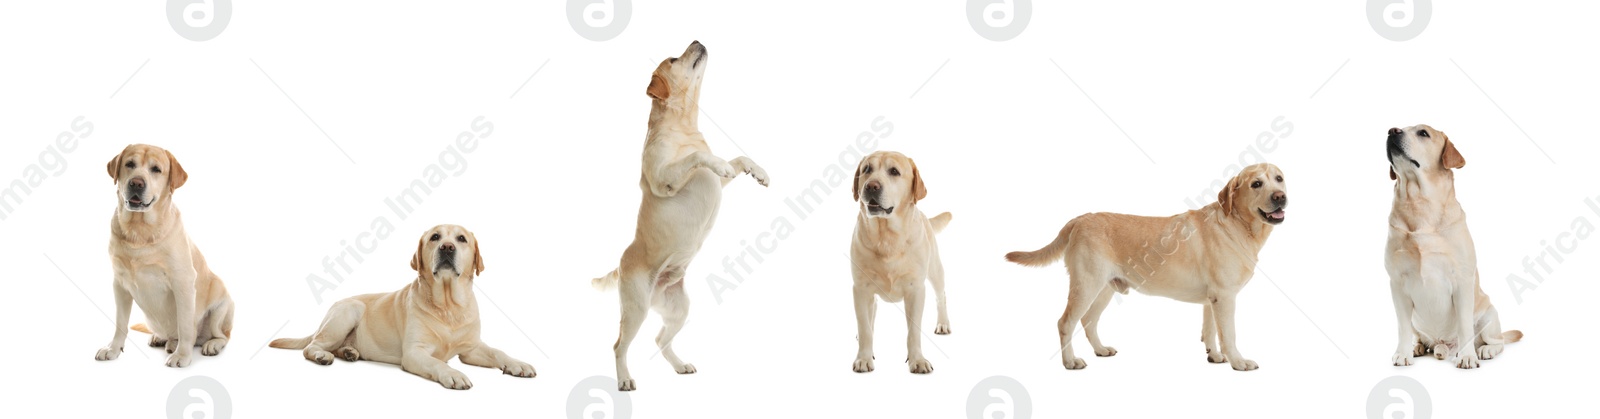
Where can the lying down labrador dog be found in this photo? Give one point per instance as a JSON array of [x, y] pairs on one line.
[[420, 326], [1203, 256]]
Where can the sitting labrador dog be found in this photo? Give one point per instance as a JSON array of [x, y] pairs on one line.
[[682, 186], [892, 252], [155, 264], [420, 327], [1433, 268], [1203, 256]]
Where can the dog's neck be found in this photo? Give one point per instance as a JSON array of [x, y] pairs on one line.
[[1249, 222], [1425, 202], [888, 234], [146, 227], [450, 295], [676, 114]]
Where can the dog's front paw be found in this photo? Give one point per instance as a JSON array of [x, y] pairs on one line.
[[213, 347], [157, 341], [518, 369], [107, 353], [1105, 351], [349, 354], [320, 357], [863, 364], [1245, 365], [1075, 364], [722, 168], [1402, 359], [1469, 360], [626, 384], [921, 366], [178, 360], [941, 329], [759, 174], [1215, 357], [686, 368], [454, 380]]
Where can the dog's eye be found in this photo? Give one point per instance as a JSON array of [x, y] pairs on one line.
[[1280, 179], [866, 170], [434, 238], [1422, 133], [893, 171], [155, 169], [130, 165], [461, 238], [1256, 184]]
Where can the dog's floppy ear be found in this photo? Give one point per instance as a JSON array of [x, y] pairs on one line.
[[416, 259], [175, 174], [477, 255], [855, 188], [1450, 158], [918, 190], [113, 165], [1226, 195], [658, 85]]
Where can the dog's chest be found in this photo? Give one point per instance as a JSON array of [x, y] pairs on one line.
[[1430, 270], [892, 276], [147, 275]]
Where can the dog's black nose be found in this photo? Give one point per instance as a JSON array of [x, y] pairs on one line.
[[1395, 132], [136, 184]]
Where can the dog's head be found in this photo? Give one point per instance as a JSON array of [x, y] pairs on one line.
[[676, 82], [1256, 193], [445, 251], [145, 175], [887, 180], [1419, 149]]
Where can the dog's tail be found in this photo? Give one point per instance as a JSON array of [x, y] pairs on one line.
[[1049, 254], [291, 343], [606, 283], [141, 328], [1507, 337], [939, 221]]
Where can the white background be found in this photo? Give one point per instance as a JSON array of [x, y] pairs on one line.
[[1004, 139]]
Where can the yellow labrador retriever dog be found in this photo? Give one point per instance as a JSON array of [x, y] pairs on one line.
[[1433, 269], [682, 186], [420, 326], [156, 265], [1203, 256], [893, 251]]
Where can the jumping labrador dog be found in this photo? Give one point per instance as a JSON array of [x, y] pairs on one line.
[[156, 265], [682, 186], [893, 252], [420, 327], [1203, 256], [1433, 269]]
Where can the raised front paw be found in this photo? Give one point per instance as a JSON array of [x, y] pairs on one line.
[[518, 369], [454, 380], [759, 174], [722, 168], [107, 353], [921, 366]]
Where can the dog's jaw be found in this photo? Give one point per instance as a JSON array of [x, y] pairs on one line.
[[1275, 217]]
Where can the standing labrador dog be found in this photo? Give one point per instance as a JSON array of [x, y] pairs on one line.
[[1203, 256], [420, 326], [1433, 268], [156, 265], [893, 252], [682, 186]]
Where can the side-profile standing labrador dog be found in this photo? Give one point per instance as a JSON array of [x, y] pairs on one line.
[[893, 252], [1433, 268], [682, 186], [154, 263], [420, 327], [1203, 256]]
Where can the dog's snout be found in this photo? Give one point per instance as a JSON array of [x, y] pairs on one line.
[[1280, 198], [136, 184], [874, 187], [1395, 132], [447, 247]]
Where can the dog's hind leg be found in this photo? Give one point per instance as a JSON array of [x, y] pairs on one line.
[[1081, 294], [1091, 323], [634, 290], [673, 305], [219, 326], [936, 277], [1490, 342], [335, 330]]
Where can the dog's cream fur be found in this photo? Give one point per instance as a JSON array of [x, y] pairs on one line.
[[1203, 256], [682, 186], [420, 327], [893, 252], [156, 265], [1433, 268]]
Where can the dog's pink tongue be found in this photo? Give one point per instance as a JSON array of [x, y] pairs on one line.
[[1277, 214]]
